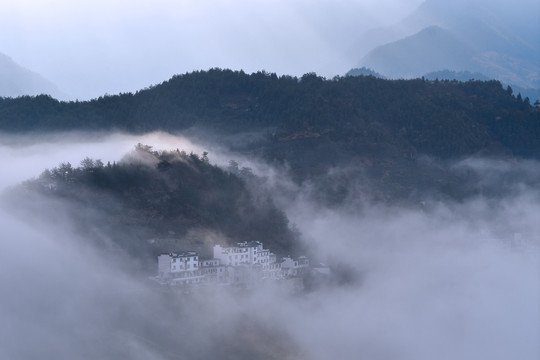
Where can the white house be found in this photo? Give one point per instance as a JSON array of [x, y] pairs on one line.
[[292, 267], [244, 264], [213, 271], [181, 268], [243, 253], [250, 253]]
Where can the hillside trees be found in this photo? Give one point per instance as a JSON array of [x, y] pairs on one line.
[[151, 193]]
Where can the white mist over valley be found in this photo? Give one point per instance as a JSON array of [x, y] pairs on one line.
[[445, 280]]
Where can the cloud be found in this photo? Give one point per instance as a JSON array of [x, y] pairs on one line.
[[449, 280], [448, 283], [29, 155], [89, 48]]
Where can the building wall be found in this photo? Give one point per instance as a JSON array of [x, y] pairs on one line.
[[164, 264], [244, 253], [185, 263], [291, 267], [244, 264]]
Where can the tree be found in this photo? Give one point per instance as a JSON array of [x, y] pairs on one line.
[[143, 148], [233, 167], [246, 173], [87, 163], [64, 173]]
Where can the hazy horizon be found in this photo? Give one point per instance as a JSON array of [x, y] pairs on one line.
[[89, 49]]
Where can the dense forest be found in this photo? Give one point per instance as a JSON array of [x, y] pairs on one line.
[[443, 118], [375, 129], [155, 201]]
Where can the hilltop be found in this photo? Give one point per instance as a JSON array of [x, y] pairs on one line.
[[376, 128], [158, 201]]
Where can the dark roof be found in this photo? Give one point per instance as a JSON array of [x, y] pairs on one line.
[[181, 254], [250, 244]]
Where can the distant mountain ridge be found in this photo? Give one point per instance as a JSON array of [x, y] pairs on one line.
[[431, 49], [498, 40], [18, 81]]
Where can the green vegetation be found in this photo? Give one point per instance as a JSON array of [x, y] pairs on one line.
[[152, 202], [441, 118], [376, 129]]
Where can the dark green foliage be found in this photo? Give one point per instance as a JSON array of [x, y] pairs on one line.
[[377, 127], [154, 194], [442, 118]]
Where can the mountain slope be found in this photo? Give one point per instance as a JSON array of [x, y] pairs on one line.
[[380, 128], [429, 50], [504, 38], [166, 196], [17, 81]]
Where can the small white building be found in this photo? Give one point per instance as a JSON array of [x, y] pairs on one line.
[[180, 268], [292, 267], [213, 271], [245, 264], [243, 253], [252, 254]]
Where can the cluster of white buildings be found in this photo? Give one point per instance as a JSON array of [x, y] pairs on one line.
[[246, 263]]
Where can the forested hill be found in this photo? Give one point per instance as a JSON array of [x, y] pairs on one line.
[[153, 202], [441, 118], [339, 134]]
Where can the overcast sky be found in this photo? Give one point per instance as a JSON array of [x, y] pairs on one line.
[[89, 48]]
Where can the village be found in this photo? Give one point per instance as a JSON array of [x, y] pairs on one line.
[[247, 264]]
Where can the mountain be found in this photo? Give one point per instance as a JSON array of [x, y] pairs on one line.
[[154, 201], [360, 130], [431, 49], [17, 81], [497, 39]]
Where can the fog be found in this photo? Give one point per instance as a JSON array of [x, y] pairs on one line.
[[89, 48], [32, 154], [455, 280]]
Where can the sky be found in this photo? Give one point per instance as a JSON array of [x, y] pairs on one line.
[[89, 48]]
